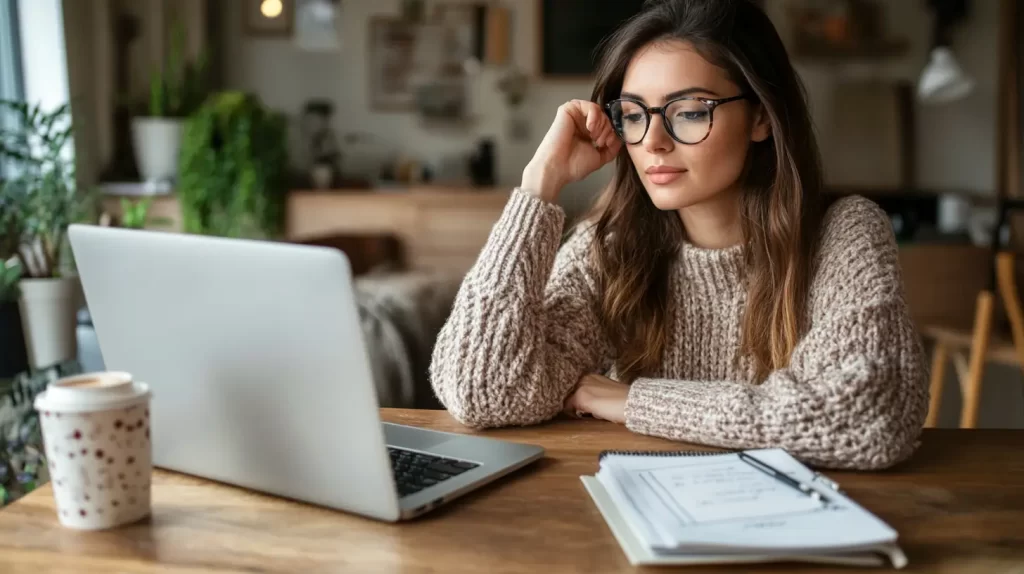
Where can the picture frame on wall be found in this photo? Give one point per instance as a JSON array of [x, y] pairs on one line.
[[463, 26], [422, 65], [392, 65], [268, 18]]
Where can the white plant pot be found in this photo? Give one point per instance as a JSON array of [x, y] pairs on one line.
[[157, 143], [49, 312]]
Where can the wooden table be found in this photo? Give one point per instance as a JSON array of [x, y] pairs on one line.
[[958, 506]]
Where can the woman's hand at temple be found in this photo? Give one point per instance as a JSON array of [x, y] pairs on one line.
[[579, 142]]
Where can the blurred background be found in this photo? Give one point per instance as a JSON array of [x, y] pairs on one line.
[[395, 129]]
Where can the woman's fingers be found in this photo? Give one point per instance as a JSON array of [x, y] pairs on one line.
[[602, 135], [589, 118], [592, 122], [601, 126], [577, 112], [608, 143], [594, 126], [610, 136], [609, 152], [597, 125], [570, 406], [600, 138]]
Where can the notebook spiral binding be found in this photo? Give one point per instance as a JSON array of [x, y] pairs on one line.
[[605, 453], [818, 477]]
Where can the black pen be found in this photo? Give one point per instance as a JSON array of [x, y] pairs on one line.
[[782, 477]]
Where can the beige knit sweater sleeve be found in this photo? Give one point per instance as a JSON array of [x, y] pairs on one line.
[[523, 327], [854, 394]]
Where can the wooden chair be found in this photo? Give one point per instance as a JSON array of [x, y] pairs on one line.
[[991, 339], [986, 341]]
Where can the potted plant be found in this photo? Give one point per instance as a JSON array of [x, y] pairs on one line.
[[135, 214], [174, 93], [22, 457], [40, 201], [233, 171]]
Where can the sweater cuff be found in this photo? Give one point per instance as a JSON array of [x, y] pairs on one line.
[[666, 407], [527, 224]]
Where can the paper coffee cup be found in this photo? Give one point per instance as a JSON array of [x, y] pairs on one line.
[[96, 435]]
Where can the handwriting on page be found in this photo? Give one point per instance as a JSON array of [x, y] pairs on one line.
[[724, 490]]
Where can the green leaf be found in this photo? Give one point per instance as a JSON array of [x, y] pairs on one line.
[[174, 71], [231, 169], [10, 273], [38, 204], [134, 212], [156, 96]]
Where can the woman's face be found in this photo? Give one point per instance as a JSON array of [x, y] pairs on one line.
[[678, 175]]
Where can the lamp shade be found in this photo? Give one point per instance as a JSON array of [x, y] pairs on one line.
[[943, 80]]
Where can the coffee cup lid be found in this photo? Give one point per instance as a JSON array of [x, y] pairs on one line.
[[92, 392]]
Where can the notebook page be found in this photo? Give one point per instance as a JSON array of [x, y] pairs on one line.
[[708, 489], [714, 503], [720, 488], [635, 511]]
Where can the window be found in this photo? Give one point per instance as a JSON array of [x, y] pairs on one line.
[[10, 51], [44, 67], [38, 76], [11, 81]]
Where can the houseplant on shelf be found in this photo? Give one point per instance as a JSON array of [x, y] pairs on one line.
[[135, 214], [41, 199], [233, 170], [174, 93]]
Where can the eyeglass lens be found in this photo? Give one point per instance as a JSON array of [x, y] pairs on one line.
[[687, 120]]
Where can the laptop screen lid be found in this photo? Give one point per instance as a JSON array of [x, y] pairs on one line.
[[255, 356]]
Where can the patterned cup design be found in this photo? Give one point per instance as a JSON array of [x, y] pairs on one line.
[[100, 465]]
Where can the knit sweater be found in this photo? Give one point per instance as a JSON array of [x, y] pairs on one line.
[[524, 328]]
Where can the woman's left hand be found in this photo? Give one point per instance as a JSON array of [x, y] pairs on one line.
[[599, 397]]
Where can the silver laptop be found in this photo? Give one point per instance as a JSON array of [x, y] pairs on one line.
[[260, 374]]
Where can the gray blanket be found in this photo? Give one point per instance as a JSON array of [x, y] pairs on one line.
[[401, 314]]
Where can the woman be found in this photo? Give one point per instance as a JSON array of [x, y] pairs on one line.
[[721, 305]]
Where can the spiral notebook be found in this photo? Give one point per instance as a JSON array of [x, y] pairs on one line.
[[694, 507]]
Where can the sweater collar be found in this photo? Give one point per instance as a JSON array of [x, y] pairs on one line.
[[718, 270]]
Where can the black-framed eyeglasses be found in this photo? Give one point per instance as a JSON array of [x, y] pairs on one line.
[[687, 119]]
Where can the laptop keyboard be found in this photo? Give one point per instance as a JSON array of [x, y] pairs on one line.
[[415, 471]]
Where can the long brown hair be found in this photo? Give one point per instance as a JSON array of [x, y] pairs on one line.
[[635, 242]]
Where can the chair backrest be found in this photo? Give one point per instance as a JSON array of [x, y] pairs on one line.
[[1005, 207], [1009, 294], [1004, 268]]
